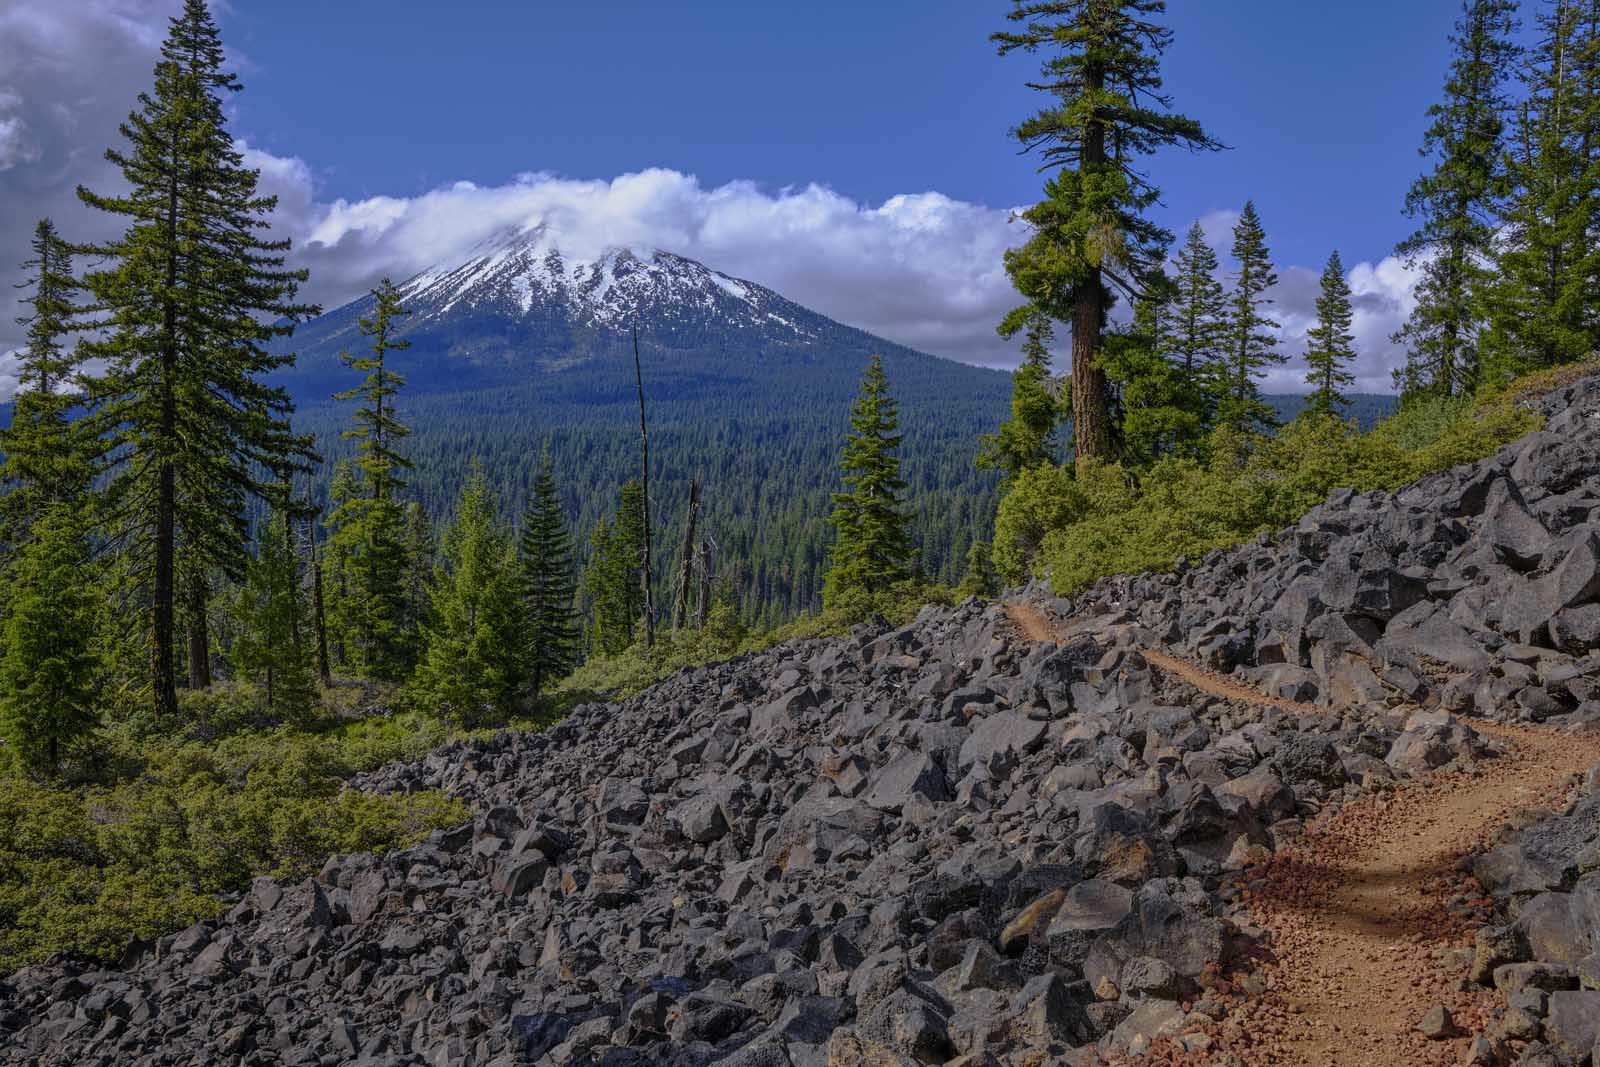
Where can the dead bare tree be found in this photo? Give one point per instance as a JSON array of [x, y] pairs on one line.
[[644, 464]]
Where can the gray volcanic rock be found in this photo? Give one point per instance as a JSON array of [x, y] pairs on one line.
[[924, 843]]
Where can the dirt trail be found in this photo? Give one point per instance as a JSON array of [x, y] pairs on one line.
[[1364, 939]]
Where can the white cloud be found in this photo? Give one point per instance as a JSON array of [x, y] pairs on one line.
[[921, 268]]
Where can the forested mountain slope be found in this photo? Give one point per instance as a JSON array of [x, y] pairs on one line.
[[521, 346], [749, 392]]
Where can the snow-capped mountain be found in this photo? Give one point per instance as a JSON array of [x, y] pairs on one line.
[[522, 307], [526, 276]]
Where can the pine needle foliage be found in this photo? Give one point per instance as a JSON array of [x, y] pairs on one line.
[[1252, 338], [1330, 345], [1455, 205], [872, 549], [190, 296], [48, 458], [48, 665], [548, 586], [1093, 241]]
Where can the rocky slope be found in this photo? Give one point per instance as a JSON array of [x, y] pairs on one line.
[[916, 844]]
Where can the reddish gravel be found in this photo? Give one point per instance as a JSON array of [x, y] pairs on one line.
[[1367, 920]]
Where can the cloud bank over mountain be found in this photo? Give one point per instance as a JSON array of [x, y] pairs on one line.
[[921, 268]]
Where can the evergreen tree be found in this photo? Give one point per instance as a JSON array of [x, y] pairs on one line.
[[548, 587], [1252, 339], [191, 295], [981, 579], [339, 592], [372, 524], [275, 640], [421, 552], [1455, 205], [47, 456], [1330, 346], [1092, 238], [378, 430], [1541, 307], [872, 547], [1200, 311], [612, 581], [48, 663], [1028, 438], [1160, 405], [472, 669]]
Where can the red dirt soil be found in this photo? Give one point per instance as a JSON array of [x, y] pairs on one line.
[[1362, 941]]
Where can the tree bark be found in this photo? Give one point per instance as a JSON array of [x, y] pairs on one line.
[[680, 612], [705, 582], [644, 465], [1091, 416], [163, 666]]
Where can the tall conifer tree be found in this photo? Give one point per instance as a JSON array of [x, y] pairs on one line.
[[548, 586], [1092, 240], [1200, 308], [1330, 346], [1252, 338], [1454, 204], [371, 525], [872, 544], [47, 455], [192, 294], [1541, 307]]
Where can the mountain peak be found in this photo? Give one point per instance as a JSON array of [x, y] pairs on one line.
[[526, 273]]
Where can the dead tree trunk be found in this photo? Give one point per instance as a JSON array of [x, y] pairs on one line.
[[680, 610], [705, 581], [644, 465]]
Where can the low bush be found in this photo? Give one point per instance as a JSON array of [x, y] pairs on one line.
[[1075, 527], [147, 845]]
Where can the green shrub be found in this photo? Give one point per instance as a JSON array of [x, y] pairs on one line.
[[172, 823], [1077, 527]]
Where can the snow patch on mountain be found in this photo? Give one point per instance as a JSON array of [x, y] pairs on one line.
[[525, 273]]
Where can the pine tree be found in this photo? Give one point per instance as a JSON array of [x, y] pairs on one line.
[[48, 664], [378, 429], [1028, 438], [47, 456], [421, 552], [275, 642], [1455, 205], [1252, 340], [548, 586], [1330, 346], [1092, 238], [339, 596], [612, 583], [1160, 406], [1541, 307], [981, 579], [1200, 311], [372, 524], [472, 669], [872, 546], [192, 294]]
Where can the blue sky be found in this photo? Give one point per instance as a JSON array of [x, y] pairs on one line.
[[853, 156], [1322, 103]]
